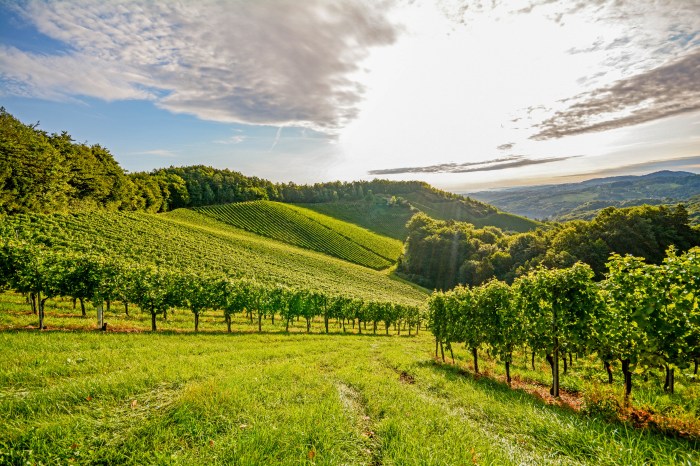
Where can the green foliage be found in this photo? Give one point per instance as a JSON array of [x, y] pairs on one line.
[[644, 315], [693, 207], [443, 254], [305, 228], [184, 239], [651, 317], [50, 173], [378, 215], [501, 318], [559, 306], [33, 174]]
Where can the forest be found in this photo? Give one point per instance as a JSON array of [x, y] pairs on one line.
[[48, 173], [442, 254]]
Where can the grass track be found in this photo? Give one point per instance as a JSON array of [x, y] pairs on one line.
[[140, 398]]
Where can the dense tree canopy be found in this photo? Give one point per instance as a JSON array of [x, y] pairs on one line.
[[442, 254], [44, 173]]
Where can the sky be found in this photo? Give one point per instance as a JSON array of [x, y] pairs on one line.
[[463, 94]]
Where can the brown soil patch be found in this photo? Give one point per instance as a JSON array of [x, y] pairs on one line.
[[638, 418], [567, 399], [405, 377]]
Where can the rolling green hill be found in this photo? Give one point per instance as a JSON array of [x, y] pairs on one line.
[[376, 215], [464, 209], [388, 214], [311, 230], [693, 206], [186, 239]]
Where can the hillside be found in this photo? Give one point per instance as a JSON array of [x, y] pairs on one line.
[[42, 173], [308, 229], [185, 239], [377, 215], [693, 206], [583, 200], [388, 214]]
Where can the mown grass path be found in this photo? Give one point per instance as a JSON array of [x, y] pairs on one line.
[[117, 398]]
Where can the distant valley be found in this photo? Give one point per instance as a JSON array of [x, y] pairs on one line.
[[584, 200]]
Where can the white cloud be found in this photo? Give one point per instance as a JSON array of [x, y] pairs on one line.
[[470, 77], [157, 152], [464, 81], [61, 77], [237, 139], [281, 62]]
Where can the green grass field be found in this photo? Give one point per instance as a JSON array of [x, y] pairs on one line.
[[175, 397], [309, 229]]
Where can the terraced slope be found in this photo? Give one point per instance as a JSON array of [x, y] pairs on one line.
[[189, 240], [311, 230], [379, 217]]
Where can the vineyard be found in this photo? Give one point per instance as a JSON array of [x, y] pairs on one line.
[[185, 240], [389, 216], [42, 275], [200, 393], [642, 315], [308, 229], [381, 217]]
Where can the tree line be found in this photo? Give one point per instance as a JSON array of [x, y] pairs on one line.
[[42, 274], [643, 315], [441, 254], [47, 173]]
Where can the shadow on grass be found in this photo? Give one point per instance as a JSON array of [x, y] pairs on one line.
[[191, 333], [508, 394]]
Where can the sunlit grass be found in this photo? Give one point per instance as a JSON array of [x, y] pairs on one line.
[[176, 397]]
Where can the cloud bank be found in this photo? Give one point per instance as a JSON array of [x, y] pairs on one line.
[[665, 91], [513, 161], [257, 62], [642, 60]]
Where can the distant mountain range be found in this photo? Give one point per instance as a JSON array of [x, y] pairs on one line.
[[583, 200]]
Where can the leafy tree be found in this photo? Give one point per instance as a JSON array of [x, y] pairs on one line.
[[296, 302], [37, 272], [675, 325], [469, 321], [232, 298], [437, 319], [197, 292], [33, 174]]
